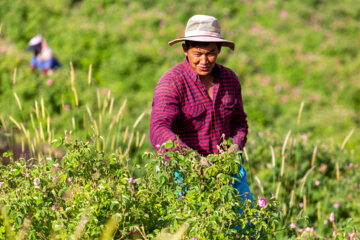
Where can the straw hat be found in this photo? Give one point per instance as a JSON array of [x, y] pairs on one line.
[[203, 28]]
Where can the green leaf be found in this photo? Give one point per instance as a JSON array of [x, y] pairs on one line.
[[113, 204], [57, 142], [168, 144], [8, 154]]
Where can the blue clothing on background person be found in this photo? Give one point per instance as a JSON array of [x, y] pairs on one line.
[[44, 58], [44, 64]]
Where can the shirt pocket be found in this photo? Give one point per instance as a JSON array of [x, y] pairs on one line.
[[194, 117], [229, 103]]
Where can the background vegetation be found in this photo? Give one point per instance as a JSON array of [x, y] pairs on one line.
[[298, 63]]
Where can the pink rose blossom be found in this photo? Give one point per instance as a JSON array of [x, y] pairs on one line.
[[334, 233], [105, 90], [284, 99], [301, 205], [66, 106], [182, 197], [49, 82], [284, 14], [323, 167], [317, 182], [0, 185], [131, 180], [265, 80], [309, 229], [336, 205], [351, 165], [292, 225], [332, 217], [262, 202], [325, 222], [194, 238], [351, 235], [255, 29], [53, 207]]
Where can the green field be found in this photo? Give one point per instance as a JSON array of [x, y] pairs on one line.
[[298, 63]]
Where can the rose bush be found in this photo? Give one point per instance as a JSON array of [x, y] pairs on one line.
[[88, 190], [202, 197]]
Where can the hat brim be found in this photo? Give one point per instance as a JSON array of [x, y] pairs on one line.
[[223, 42], [30, 48], [33, 47]]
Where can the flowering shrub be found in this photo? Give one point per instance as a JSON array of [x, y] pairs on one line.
[[85, 186], [202, 197], [88, 189]]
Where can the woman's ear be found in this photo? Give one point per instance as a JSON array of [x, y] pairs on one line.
[[185, 49]]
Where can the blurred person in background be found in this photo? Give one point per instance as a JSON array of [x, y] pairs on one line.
[[198, 103], [43, 58]]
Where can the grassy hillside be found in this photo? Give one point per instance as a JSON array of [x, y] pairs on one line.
[[286, 52]]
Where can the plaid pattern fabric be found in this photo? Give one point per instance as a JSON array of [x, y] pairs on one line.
[[182, 110]]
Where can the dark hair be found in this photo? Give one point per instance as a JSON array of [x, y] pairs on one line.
[[190, 44]]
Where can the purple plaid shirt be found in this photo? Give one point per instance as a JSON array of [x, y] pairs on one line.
[[182, 107]]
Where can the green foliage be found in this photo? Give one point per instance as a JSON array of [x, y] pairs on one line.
[[317, 180], [203, 197], [89, 187], [57, 196]]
